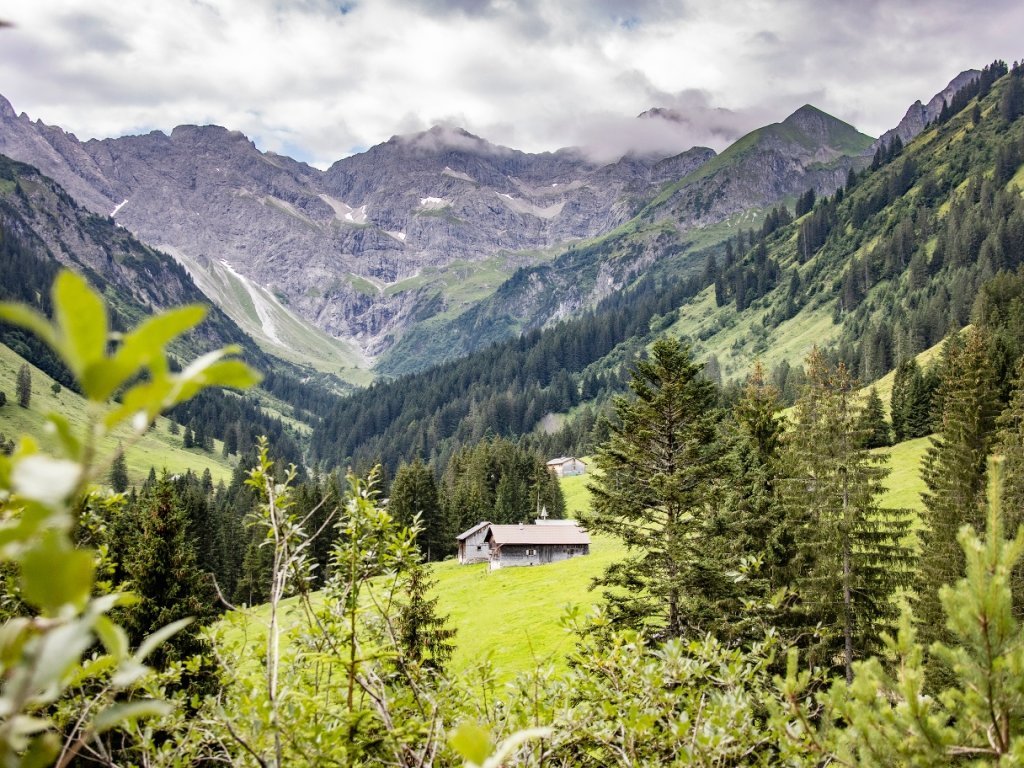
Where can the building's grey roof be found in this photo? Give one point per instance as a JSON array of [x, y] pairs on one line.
[[563, 460], [537, 534], [471, 531]]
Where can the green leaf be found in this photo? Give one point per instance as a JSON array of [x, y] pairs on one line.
[[59, 653], [81, 317], [29, 319], [46, 480], [140, 348], [54, 575], [128, 673], [42, 751], [159, 637], [472, 742], [113, 637], [126, 712]]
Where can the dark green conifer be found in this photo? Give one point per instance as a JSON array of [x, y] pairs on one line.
[[852, 551], [423, 635], [414, 493], [161, 568], [23, 386], [873, 423], [954, 470], [756, 524], [658, 491], [118, 475], [1010, 445]]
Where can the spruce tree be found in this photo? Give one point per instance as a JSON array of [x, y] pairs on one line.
[[23, 386], [414, 492], [657, 491], [423, 635], [899, 400], [873, 424], [954, 470], [851, 549], [757, 526], [1010, 445], [160, 566], [118, 475]]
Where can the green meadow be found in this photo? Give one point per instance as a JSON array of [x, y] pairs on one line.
[[157, 448]]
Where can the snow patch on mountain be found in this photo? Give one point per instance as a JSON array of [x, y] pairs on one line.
[[345, 212], [458, 175], [529, 209], [434, 203]]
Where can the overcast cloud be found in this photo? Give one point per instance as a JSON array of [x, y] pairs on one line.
[[321, 79]]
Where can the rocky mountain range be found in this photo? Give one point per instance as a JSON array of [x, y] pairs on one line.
[[336, 267]]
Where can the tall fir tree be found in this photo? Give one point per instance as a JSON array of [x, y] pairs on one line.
[[757, 526], [873, 423], [657, 491], [414, 493], [118, 475], [423, 634], [23, 386], [1010, 445], [954, 470], [851, 548], [161, 568]]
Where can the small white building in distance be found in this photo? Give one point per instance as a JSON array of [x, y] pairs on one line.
[[567, 466]]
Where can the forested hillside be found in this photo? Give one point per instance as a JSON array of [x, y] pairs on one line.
[[881, 270]]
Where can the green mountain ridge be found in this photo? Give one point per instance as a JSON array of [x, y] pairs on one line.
[[767, 166], [785, 288]]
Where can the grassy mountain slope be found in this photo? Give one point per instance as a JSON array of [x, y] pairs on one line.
[[157, 448], [277, 330]]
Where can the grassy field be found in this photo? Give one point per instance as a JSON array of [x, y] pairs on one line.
[[514, 615], [157, 448]]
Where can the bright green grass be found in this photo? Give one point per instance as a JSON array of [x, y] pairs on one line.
[[512, 615], [157, 448], [1018, 180], [574, 489], [904, 484], [736, 341]]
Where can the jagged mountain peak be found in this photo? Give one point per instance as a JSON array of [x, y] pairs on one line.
[[444, 138], [918, 115], [6, 110], [826, 131], [207, 133]]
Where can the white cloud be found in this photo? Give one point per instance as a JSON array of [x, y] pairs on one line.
[[319, 79]]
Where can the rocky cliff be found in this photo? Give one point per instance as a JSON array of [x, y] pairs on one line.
[[420, 227]]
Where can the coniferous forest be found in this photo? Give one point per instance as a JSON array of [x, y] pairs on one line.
[[768, 608]]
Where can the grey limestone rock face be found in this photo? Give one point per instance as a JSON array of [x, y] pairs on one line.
[[919, 115], [362, 249], [333, 244]]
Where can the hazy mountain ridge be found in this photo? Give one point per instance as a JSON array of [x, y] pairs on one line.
[[329, 244], [401, 241], [809, 149]]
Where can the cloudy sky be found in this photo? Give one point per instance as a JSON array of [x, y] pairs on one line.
[[321, 79]]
